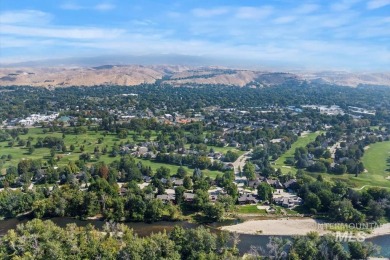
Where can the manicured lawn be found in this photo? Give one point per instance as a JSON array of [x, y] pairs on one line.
[[220, 149], [376, 160], [301, 142], [173, 168], [226, 149], [250, 209], [89, 140]]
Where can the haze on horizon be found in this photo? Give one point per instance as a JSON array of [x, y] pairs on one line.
[[308, 34]]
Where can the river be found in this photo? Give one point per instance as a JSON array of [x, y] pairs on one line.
[[144, 229]]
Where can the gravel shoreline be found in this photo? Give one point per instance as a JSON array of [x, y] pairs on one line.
[[291, 227]]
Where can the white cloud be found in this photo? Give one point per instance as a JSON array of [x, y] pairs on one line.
[[330, 21], [104, 7], [98, 7], [143, 22], [71, 6], [306, 9], [284, 19], [302, 34], [174, 15], [62, 32], [315, 54], [343, 5], [375, 4], [202, 12], [25, 17], [15, 42], [254, 12]]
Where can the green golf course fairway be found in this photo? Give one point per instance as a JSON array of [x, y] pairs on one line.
[[376, 160], [301, 142], [377, 164]]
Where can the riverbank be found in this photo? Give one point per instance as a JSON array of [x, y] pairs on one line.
[[293, 227], [247, 240]]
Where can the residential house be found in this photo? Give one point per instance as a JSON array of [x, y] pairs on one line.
[[122, 191], [177, 182], [217, 156], [215, 193], [142, 150], [188, 197], [288, 202], [146, 178], [291, 184], [275, 183], [228, 166], [166, 197], [247, 199], [254, 183]]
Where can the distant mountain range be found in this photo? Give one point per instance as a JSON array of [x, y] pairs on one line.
[[89, 72]]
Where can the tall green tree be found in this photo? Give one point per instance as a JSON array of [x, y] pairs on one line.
[[264, 191]]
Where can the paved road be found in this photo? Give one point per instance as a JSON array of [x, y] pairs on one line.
[[333, 148], [372, 186], [240, 162]]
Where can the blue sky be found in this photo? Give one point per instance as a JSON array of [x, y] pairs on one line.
[[347, 34]]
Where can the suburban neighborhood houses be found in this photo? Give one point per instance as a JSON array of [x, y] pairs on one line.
[[283, 194], [234, 135], [131, 158], [178, 156]]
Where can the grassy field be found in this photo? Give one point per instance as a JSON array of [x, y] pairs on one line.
[[250, 209], [301, 142], [376, 160], [173, 168], [89, 140], [220, 149]]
